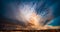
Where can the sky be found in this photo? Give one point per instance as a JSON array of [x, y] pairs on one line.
[[48, 10]]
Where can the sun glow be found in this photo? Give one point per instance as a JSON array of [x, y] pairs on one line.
[[27, 14]]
